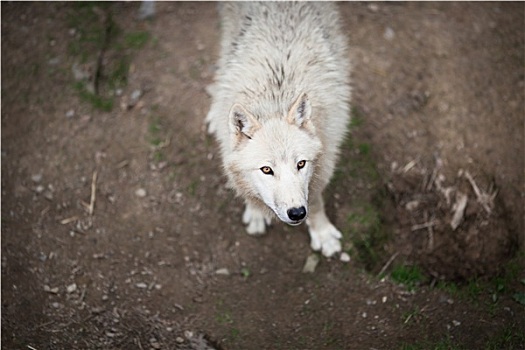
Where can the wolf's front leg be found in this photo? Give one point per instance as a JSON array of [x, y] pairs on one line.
[[324, 236], [255, 219]]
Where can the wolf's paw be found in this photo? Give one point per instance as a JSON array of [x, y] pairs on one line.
[[326, 240], [255, 220]]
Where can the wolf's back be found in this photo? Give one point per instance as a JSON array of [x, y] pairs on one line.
[[271, 52]]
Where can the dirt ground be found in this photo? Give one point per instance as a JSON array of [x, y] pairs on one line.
[[118, 231]]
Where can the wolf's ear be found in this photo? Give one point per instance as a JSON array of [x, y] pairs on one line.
[[242, 122], [300, 112]]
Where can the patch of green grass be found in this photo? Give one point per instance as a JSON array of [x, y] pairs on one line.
[[155, 139], [154, 126], [158, 156], [409, 276], [442, 344], [118, 76], [357, 162], [487, 293], [192, 188], [245, 272], [356, 117], [195, 72], [365, 232], [357, 174], [98, 102], [223, 318], [411, 316], [509, 338], [473, 289], [364, 149], [96, 34], [136, 40], [519, 297], [450, 288], [234, 334]]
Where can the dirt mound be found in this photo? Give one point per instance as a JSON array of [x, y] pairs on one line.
[[455, 228]]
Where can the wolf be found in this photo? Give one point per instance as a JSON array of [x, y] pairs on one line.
[[280, 109]]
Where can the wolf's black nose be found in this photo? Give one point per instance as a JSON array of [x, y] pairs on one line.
[[296, 214]]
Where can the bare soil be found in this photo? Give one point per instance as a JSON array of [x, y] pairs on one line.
[[118, 231]]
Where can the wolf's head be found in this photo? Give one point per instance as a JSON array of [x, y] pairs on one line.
[[273, 160]]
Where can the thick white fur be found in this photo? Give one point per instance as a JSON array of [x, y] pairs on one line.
[[281, 96]]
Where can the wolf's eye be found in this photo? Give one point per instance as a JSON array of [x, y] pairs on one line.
[[267, 170], [301, 164]]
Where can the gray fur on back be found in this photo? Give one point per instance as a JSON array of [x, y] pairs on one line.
[[271, 52]]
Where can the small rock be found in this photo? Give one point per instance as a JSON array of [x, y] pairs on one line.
[[389, 34], [188, 334], [141, 285], [79, 73], [70, 113], [224, 271], [54, 61], [384, 299], [344, 257], [141, 193], [36, 178], [373, 7], [39, 189], [311, 263], [412, 205], [51, 290], [154, 343], [98, 310], [135, 95], [456, 323], [56, 305], [48, 195], [71, 288], [179, 340]]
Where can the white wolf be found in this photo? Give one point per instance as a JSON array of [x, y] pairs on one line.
[[280, 109]]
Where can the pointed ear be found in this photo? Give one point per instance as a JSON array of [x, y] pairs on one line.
[[300, 112], [242, 122]]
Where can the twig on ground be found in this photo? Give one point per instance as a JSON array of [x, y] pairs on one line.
[[430, 238], [122, 164], [434, 174], [137, 341], [424, 225], [388, 263], [69, 220], [486, 199], [430, 231], [93, 193], [459, 210], [409, 166]]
